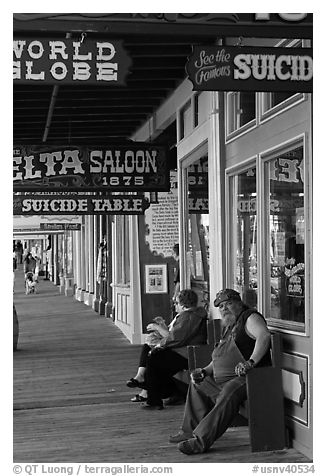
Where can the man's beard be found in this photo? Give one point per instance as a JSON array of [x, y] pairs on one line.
[[228, 319]]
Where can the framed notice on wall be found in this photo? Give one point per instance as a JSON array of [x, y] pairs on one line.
[[156, 279]]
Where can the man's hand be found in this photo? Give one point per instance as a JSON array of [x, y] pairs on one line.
[[152, 327], [197, 375], [243, 367]]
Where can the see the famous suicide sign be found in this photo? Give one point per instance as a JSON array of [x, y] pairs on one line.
[[134, 167], [222, 68], [68, 61]]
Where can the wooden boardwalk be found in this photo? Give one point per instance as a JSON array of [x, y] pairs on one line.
[[71, 403]]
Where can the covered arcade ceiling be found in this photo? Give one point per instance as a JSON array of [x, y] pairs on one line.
[[156, 48]]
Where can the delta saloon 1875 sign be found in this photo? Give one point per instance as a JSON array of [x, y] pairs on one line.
[[134, 167], [224, 68]]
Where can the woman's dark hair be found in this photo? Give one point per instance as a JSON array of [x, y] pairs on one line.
[[175, 249], [188, 298]]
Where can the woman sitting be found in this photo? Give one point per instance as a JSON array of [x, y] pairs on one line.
[[159, 364], [157, 330]]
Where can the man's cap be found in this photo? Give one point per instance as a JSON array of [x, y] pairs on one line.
[[226, 295]]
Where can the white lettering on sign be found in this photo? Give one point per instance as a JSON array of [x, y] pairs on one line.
[[30, 74], [77, 55], [284, 16], [139, 161], [89, 205], [81, 71], [57, 48], [270, 67], [123, 167], [210, 67], [67, 161], [105, 57], [107, 71], [102, 68], [46, 205], [35, 49], [117, 204], [58, 71]]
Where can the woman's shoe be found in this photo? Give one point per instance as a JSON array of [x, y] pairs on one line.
[[138, 398], [134, 383]]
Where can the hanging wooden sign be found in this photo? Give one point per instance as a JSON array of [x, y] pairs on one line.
[[137, 166], [80, 205], [60, 226], [69, 61], [226, 68]]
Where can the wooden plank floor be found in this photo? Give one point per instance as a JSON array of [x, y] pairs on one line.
[[70, 399]]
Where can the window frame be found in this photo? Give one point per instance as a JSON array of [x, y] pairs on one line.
[[268, 112], [264, 159], [231, 175], [229, 136]]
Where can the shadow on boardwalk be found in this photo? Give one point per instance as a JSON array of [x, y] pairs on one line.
[[70, 399]]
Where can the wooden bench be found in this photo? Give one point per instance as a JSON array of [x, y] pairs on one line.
[[264, 407]]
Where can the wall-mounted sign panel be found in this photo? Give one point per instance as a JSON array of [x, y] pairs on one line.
[[156, 279], [81, 205], [60, 226], [69, 61], [134, 167], [222, 68], [30, 221]]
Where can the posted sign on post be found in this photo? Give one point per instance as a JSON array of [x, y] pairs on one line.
[[223, 68], [128, 168]]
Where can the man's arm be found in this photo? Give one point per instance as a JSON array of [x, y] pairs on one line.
[[257, 329]]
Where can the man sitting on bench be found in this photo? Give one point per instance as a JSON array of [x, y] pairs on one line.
[[216, 391]]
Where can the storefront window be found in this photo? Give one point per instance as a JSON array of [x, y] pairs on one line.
[[241, 110], [286, 236], [244, 237], [197, 251]]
